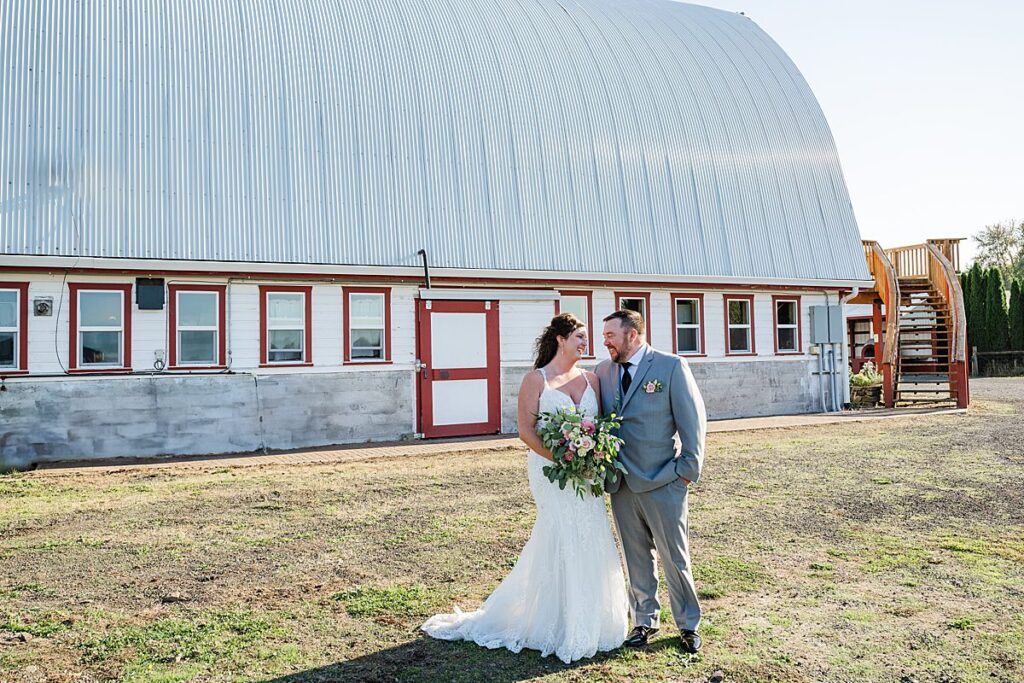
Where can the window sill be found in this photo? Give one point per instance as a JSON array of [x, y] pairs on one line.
[[739, 354], [368, 362], [11, 373], [307, 364], [692, 355], [789, 353], [179, 368]]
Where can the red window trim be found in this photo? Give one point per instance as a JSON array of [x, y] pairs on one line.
[[646, 296], [799, 325], [675, 336], [126, 346], [589, 322], [22, 289], [753, 336], [386, 291], [307, 360], [172, 316]]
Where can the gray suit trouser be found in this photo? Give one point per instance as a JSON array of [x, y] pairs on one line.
[[653, 525]]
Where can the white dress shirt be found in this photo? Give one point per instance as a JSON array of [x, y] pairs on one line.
[[635, 359]]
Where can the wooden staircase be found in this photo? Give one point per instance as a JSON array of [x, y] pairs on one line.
[[922, 356], [923, 367]]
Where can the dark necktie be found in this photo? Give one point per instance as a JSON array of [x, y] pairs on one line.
[[626, 379]]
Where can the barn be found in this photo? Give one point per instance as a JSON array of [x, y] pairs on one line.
[[236, 226]]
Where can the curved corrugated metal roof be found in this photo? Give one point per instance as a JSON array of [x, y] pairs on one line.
[[645, 137]]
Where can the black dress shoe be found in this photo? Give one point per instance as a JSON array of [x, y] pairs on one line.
[[690, 641], [639, 635]]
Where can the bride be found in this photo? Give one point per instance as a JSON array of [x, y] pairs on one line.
[[566, 594]]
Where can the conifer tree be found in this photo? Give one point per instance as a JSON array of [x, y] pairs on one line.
[[976, 288], [1017, 316], [997, 320]]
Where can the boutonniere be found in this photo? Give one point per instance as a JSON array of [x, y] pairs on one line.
[[653, 387]]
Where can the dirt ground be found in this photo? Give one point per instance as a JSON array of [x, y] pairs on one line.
[[869, 551]]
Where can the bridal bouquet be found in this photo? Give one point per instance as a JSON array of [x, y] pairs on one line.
[[585, 450]]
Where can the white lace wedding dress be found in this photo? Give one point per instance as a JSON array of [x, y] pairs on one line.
[[566, 594]]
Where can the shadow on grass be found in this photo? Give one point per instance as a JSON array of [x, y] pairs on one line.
[[427, 659]]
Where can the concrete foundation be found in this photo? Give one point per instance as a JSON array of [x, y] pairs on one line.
[[83, 418]]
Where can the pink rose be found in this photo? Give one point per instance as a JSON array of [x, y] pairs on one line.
[[650, 387], [588, 426], [568, 456]]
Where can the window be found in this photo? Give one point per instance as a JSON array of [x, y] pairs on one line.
[[788, 337], [197, 314], [739, 324], [286, 336], [367, 321], [635, 301], [688, 322], [13, 327], [580, 304], [100, 322]]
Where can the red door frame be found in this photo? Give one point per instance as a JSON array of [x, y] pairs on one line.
[[426, 376]]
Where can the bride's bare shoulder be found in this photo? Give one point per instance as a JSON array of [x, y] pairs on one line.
[[532, 380]]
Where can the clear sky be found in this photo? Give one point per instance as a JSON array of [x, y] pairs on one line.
[[925, 101]]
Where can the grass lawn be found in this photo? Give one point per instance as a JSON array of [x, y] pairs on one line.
[[882, 551]]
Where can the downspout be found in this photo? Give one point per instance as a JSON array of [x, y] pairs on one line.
[[426, 266], [846, 349]]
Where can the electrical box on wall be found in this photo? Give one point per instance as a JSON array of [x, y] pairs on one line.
[[827, 325], [149, 293]]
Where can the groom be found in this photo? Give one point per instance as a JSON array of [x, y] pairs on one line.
[[663, 427]]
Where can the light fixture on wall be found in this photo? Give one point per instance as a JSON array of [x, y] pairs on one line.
[[42, 306]]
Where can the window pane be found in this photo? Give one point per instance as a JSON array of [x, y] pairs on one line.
[[686, 312], [286, 340], [197, 309], [101, 348], [7, 341], [197, 347], [686, 340], [100, 309], [285, 309], [8, 308], [787, 339], [739, 312], [634, 305], [366, 310], [283, 356], [739, 340], [367, 344], [363, 338], [785, 312], [577, 305]]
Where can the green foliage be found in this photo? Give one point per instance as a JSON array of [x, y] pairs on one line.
[[867, 377], [974, 300], [997, 320], [397, 601], [1017, 316]]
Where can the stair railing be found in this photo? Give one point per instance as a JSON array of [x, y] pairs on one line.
[[888, 287], [943, 278]]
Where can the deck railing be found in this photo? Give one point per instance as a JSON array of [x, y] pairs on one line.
[[888, 286], [915, 261]]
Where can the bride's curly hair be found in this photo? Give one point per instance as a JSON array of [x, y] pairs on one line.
[[546, 346]]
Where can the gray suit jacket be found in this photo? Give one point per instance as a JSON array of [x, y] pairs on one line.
[[663, 431]]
